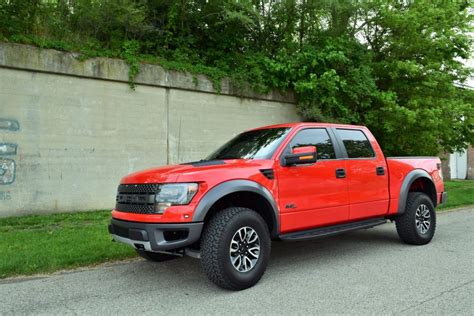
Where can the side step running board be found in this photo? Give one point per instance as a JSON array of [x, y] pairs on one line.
[[332, 230]]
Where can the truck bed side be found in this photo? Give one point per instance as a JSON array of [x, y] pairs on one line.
[[400, 168]]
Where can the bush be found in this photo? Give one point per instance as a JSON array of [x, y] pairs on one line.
[[386, 64]]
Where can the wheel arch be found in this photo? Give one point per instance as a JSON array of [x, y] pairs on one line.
[[417, 180], [243, 193]]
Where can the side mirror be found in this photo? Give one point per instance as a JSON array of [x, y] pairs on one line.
[[301, 155]]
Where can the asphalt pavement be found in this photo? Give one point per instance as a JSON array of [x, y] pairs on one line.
[[363, 272]]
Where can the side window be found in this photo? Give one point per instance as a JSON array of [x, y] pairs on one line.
[[356, 143], [318, 137]]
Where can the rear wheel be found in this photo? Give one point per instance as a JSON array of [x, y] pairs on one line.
[[235, 248], [155, 256], [417, 225]]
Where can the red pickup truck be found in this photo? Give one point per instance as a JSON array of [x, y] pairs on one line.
[[286, 182]]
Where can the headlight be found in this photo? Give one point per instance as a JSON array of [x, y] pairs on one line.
[[174, 194]]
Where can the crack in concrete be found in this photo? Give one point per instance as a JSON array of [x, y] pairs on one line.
[[436, 296]]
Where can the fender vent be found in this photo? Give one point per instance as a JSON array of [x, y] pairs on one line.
[[268, 173]]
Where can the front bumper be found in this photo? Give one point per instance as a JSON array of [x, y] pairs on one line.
[[444, 198], [155, 237]]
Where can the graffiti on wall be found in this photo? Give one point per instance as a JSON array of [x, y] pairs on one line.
[[5, 196], [7, 149], [9, 125], [7, 155], [7, 171]]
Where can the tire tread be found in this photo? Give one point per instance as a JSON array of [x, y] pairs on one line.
[[212, 260], [405, 223]]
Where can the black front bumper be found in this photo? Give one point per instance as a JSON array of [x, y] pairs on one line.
[[155, 237]]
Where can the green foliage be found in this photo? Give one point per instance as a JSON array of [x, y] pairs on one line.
[[386, 64], [417, 49], [129, 53]]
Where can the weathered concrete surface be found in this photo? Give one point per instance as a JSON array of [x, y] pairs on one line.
[[20, 56], [368, 272], [75, 137]]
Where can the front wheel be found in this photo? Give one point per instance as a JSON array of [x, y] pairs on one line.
[[417, 225], [235, 248]]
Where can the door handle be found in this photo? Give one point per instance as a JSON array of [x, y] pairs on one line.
[[340, 173], [380, 171]]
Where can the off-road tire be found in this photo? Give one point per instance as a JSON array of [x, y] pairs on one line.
[[155, 256], [215, 251], [406, 223]]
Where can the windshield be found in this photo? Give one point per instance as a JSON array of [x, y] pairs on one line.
[[257, 144]]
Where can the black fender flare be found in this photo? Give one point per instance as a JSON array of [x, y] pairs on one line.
[[406, 184], [232, 186]]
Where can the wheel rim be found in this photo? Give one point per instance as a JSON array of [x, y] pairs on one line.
[[244, 249], [423, 219]]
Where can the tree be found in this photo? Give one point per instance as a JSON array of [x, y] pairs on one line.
[[386, 64], [389, 65], [417, 48]]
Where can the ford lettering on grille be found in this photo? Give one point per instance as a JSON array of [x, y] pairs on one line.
[[136, 198]]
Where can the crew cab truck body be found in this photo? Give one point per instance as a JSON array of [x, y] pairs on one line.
[[289, 182]]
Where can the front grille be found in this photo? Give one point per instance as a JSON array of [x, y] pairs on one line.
[[136, 198], [139, 188]]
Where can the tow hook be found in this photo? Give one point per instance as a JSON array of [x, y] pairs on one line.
[[193, 253]]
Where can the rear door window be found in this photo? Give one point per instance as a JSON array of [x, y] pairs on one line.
[[356, 143]]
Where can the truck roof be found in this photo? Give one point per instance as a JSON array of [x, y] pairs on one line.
[[312, 124]]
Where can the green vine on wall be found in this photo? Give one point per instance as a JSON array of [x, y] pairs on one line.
[[130, 53]]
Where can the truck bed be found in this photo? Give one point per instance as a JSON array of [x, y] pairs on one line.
[[399, 167]]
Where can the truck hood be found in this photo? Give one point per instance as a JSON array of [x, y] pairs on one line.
[[198, 171]]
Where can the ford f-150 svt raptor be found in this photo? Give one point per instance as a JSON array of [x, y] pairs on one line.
[[284, 182]]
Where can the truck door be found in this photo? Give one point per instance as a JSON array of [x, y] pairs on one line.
[[315, 194], [367, 174]]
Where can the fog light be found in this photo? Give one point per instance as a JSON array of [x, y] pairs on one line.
[[161, 207]]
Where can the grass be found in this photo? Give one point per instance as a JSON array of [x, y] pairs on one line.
[[46, 243], [460, 192]]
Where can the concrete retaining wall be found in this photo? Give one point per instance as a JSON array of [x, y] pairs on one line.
[[69, 130]]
